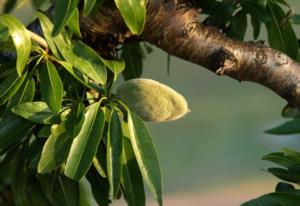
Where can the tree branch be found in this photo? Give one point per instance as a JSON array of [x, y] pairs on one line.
[[174, 27]]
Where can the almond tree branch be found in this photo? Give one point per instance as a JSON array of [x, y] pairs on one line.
[[175, 28]]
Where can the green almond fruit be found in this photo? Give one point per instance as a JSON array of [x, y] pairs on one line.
[[151, 100]]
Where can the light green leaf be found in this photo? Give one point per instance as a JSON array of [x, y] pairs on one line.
[[116, 66], [145, 154], [51, 86], [114, 153], [85, 144], [47, 28], [21, 39], [132, 179], [86, 60], [37, 112], [73, 22], [63, 12], [133, 13], [55, 150]]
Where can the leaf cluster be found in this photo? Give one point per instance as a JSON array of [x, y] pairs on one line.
[[61, 126]]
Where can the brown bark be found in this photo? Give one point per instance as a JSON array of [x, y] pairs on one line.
[[174, 27]]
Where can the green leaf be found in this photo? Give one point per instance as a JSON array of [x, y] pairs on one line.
[[51, 86], [145, 154], [86, 60], [90, 5], [63, 12], [238, 26], [12, 130], [114, 153], [10, 86], [21, 39], [290, 127], [133, 13], [24, 94], [281, 158], [116, 66], [281, 36], [37, 112], [290, 198], [85, 144], [56, 149], [256, 25], [47, 28], [286, 175], [133, 56], [100, 187], [73, 22], [132, 179]]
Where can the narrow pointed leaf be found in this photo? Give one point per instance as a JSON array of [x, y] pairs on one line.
[[90, 6], [51, 86], [63, 12], [21, 39], [132, 179], [10, 86], [145, 154], [133, 13], [13, 129], [73, 22], [24, 94], [290, 127], [37, 112], [55, 150], [114, 153], [281, 36], [85, 144]]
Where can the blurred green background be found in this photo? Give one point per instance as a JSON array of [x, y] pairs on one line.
[[219, 144]]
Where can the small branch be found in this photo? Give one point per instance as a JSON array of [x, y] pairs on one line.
[[39, 40]]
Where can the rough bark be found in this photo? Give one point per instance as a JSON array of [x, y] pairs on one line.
[[174, 26]]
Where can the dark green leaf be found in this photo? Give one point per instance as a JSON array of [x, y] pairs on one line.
[[10, 86], [286, 175], [114, 153], [51, 86], [85, 144], [281, 36], [145, 154], [256, 25], [12, 130], [63, 12], [21, 39], [133, 13], [238, 26], [100, 187], [284, 187], [25, 93], [290, 127], [133, 55], [37, 112], [132, 179]]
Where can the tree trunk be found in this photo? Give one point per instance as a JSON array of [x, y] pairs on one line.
[[174, 26]]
